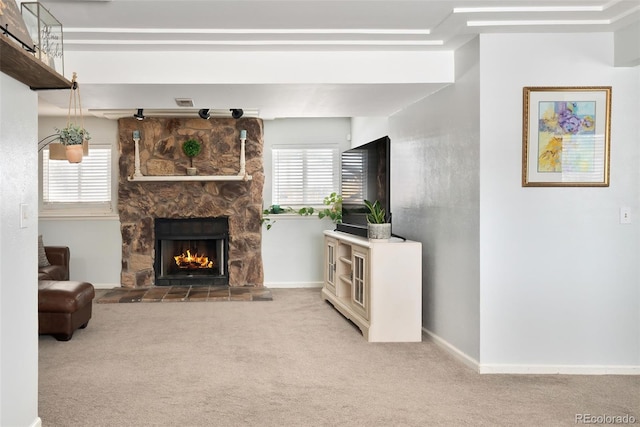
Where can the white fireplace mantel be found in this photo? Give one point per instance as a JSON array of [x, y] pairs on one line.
[[160, 178], [137, 174]]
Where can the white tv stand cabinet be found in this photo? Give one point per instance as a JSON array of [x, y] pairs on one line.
[[375, 284]]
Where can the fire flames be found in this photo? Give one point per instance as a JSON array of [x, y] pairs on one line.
[[192, 262]]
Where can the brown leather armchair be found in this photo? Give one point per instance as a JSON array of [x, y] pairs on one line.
[[58, 257], [63, 305]]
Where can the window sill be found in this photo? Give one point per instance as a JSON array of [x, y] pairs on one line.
[[72, 216], [294, 216]]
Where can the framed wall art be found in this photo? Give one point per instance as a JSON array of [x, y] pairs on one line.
[[566, 136]]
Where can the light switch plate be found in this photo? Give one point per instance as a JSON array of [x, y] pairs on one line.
[[625, 215], [23, 215]]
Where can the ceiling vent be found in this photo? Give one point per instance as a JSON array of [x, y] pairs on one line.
[[184, 102]]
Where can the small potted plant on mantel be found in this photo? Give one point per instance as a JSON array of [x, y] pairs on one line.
[[73, 137], [191, 148], [377, 228]]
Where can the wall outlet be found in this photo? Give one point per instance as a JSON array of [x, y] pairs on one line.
[[625, 215]]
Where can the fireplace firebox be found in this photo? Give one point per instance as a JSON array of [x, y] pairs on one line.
[[191, 251]]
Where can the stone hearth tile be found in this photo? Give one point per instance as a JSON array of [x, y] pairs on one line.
[[112, 296], [155, 294], [134, 295], [176, 293], [200, 293], [218, 293], [237, 293], [261, 294], [184, 293]]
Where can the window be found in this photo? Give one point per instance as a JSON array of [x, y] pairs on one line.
[[304, 176], [75, 187]]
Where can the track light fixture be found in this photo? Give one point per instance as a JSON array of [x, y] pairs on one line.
[[236, 113], [139, 115], [204, 114]]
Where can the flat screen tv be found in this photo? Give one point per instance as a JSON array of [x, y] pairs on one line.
[[365, 174]]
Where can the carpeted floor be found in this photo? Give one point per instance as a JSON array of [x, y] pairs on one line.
[[184, 294], [294, 361]]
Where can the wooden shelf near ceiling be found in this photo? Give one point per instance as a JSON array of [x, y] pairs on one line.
[[26, 68]]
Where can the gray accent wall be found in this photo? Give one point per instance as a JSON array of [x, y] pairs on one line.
[[435, 174], [515, 279]]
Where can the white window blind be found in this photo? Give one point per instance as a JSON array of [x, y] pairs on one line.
[[73, 185], [354, 174], [304, 175]]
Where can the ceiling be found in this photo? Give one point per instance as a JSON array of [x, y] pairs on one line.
[[165, 27]]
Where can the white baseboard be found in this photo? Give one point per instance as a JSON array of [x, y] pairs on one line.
[[491, 368], [36, 423], [455, 351], [495, 368], [293, 285]]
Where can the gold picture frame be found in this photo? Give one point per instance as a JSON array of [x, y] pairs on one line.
[[566, 136]]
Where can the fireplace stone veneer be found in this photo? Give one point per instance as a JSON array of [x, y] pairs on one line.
[[139, 203]]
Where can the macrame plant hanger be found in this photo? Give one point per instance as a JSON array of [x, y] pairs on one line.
[[57, 151], [74, 99]]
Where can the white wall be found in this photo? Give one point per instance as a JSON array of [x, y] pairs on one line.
[[95, 246], [292, 250], [559, 273], [627, 46], [18, 255], [95, 243], [367, 129], [270, 67], [435, 200]]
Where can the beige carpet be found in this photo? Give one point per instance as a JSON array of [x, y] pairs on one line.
[[293, 361]]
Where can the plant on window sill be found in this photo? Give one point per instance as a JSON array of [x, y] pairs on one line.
[[333, 210]]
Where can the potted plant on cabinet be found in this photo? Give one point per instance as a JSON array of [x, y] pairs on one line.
[[378, 229], [191, 148], [73, 137]]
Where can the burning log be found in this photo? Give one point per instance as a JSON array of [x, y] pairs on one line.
[[192, 262]]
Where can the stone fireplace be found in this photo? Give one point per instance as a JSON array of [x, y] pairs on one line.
[[146, 207]]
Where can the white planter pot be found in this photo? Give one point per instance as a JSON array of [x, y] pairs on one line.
[[379, 231], [192, 171]]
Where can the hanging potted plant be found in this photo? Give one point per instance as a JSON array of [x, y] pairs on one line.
[[191, 148], [378, 228], [73, 137]]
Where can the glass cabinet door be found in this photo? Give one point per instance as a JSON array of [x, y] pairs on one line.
[[360, 286], [330, 265]]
